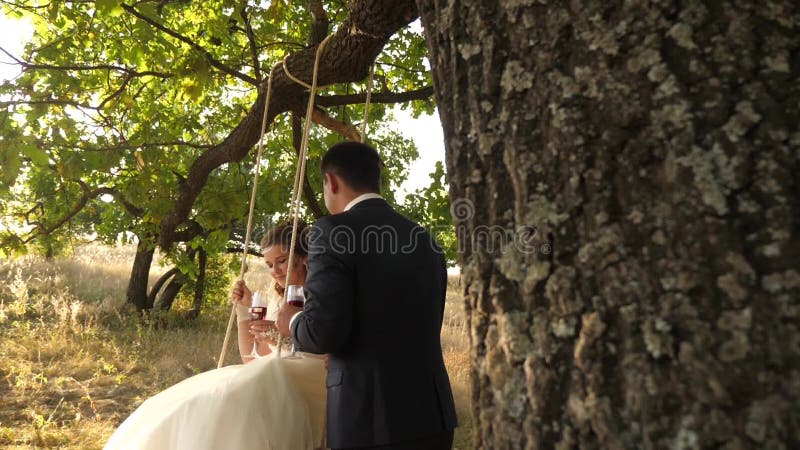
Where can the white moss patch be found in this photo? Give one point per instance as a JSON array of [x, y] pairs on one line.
[[714, 174], [564, 327], [682, 34], [516, 78], [780, 281], [467, 51], [778, 62], [742, 121]]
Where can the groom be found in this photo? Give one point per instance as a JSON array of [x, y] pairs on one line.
[[375, 295]]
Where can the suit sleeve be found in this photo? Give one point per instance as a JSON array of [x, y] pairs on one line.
[[326, 321]]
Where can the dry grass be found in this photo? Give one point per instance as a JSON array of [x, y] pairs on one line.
[[75, 361], [455, 347]]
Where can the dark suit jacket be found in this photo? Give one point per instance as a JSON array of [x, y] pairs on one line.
[[375, 295]]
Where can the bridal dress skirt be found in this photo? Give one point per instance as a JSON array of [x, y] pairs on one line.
[[270, 403]]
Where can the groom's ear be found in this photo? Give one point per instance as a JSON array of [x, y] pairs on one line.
[[333, 182]]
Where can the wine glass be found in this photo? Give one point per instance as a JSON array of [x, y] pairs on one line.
[[258, 311], [295, 297]]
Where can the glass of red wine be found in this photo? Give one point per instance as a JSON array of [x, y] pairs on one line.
[[295, 297], [258, 311]]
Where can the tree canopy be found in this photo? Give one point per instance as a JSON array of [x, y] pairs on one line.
[[137, 118]]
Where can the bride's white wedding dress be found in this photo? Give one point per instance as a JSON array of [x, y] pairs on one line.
[[270, 403]]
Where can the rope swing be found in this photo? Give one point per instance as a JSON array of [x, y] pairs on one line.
[[299, 176]]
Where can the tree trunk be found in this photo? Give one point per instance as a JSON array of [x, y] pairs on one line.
[[151, 297], [140, 273], [173, 288], [167, 297], [200, 284], [623, 178]]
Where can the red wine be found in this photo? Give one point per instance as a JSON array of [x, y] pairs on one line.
[[258, 312], [297, 303]]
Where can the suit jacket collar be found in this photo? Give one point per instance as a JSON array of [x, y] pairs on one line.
[[360, 199], [370, 203]]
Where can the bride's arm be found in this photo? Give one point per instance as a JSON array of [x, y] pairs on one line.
[[241, 296], [245, 339]]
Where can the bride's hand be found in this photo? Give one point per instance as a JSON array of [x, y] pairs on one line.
[[263, 330], [241, 294]]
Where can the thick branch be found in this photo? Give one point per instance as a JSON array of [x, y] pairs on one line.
[[379, 97], [238, 250], [151, 297], [322, 118], [129, 207], [319, 22], [213, 62], [192, 230], [347, 58]]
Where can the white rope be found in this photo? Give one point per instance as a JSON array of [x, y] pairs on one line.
[[249, 227], [301, 163], [292, 77], [298, 177]]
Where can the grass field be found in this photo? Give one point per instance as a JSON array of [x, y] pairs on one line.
[[75, 360]]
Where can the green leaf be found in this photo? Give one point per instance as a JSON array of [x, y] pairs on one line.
[[9, 169], [105, 5], [110, 7], [37, 155]]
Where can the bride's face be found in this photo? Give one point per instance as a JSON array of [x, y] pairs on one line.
[[277, 259]]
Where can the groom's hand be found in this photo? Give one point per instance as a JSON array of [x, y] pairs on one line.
[[285, 315]]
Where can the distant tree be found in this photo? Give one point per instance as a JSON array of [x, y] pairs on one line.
[[137, 119], [430, 207]]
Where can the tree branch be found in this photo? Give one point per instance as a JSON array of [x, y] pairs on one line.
[[132, 209], [397, 66], [251, 251], [116, 93], [48, 102], [380, 97], [322, 118], [319, 22], [213, 62], [252, 42], [130, 72], [151, 296], [127, 146], [88, 194], [192, 230], [44, 230]]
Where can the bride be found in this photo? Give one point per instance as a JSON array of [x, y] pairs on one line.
[[265, 403]]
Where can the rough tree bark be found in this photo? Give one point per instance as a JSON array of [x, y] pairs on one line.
[[140, 272], [200, 285], [170, 292], [162, 280], [653, 147]]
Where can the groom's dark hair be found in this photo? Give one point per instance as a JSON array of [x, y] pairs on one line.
[[359, 165]]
